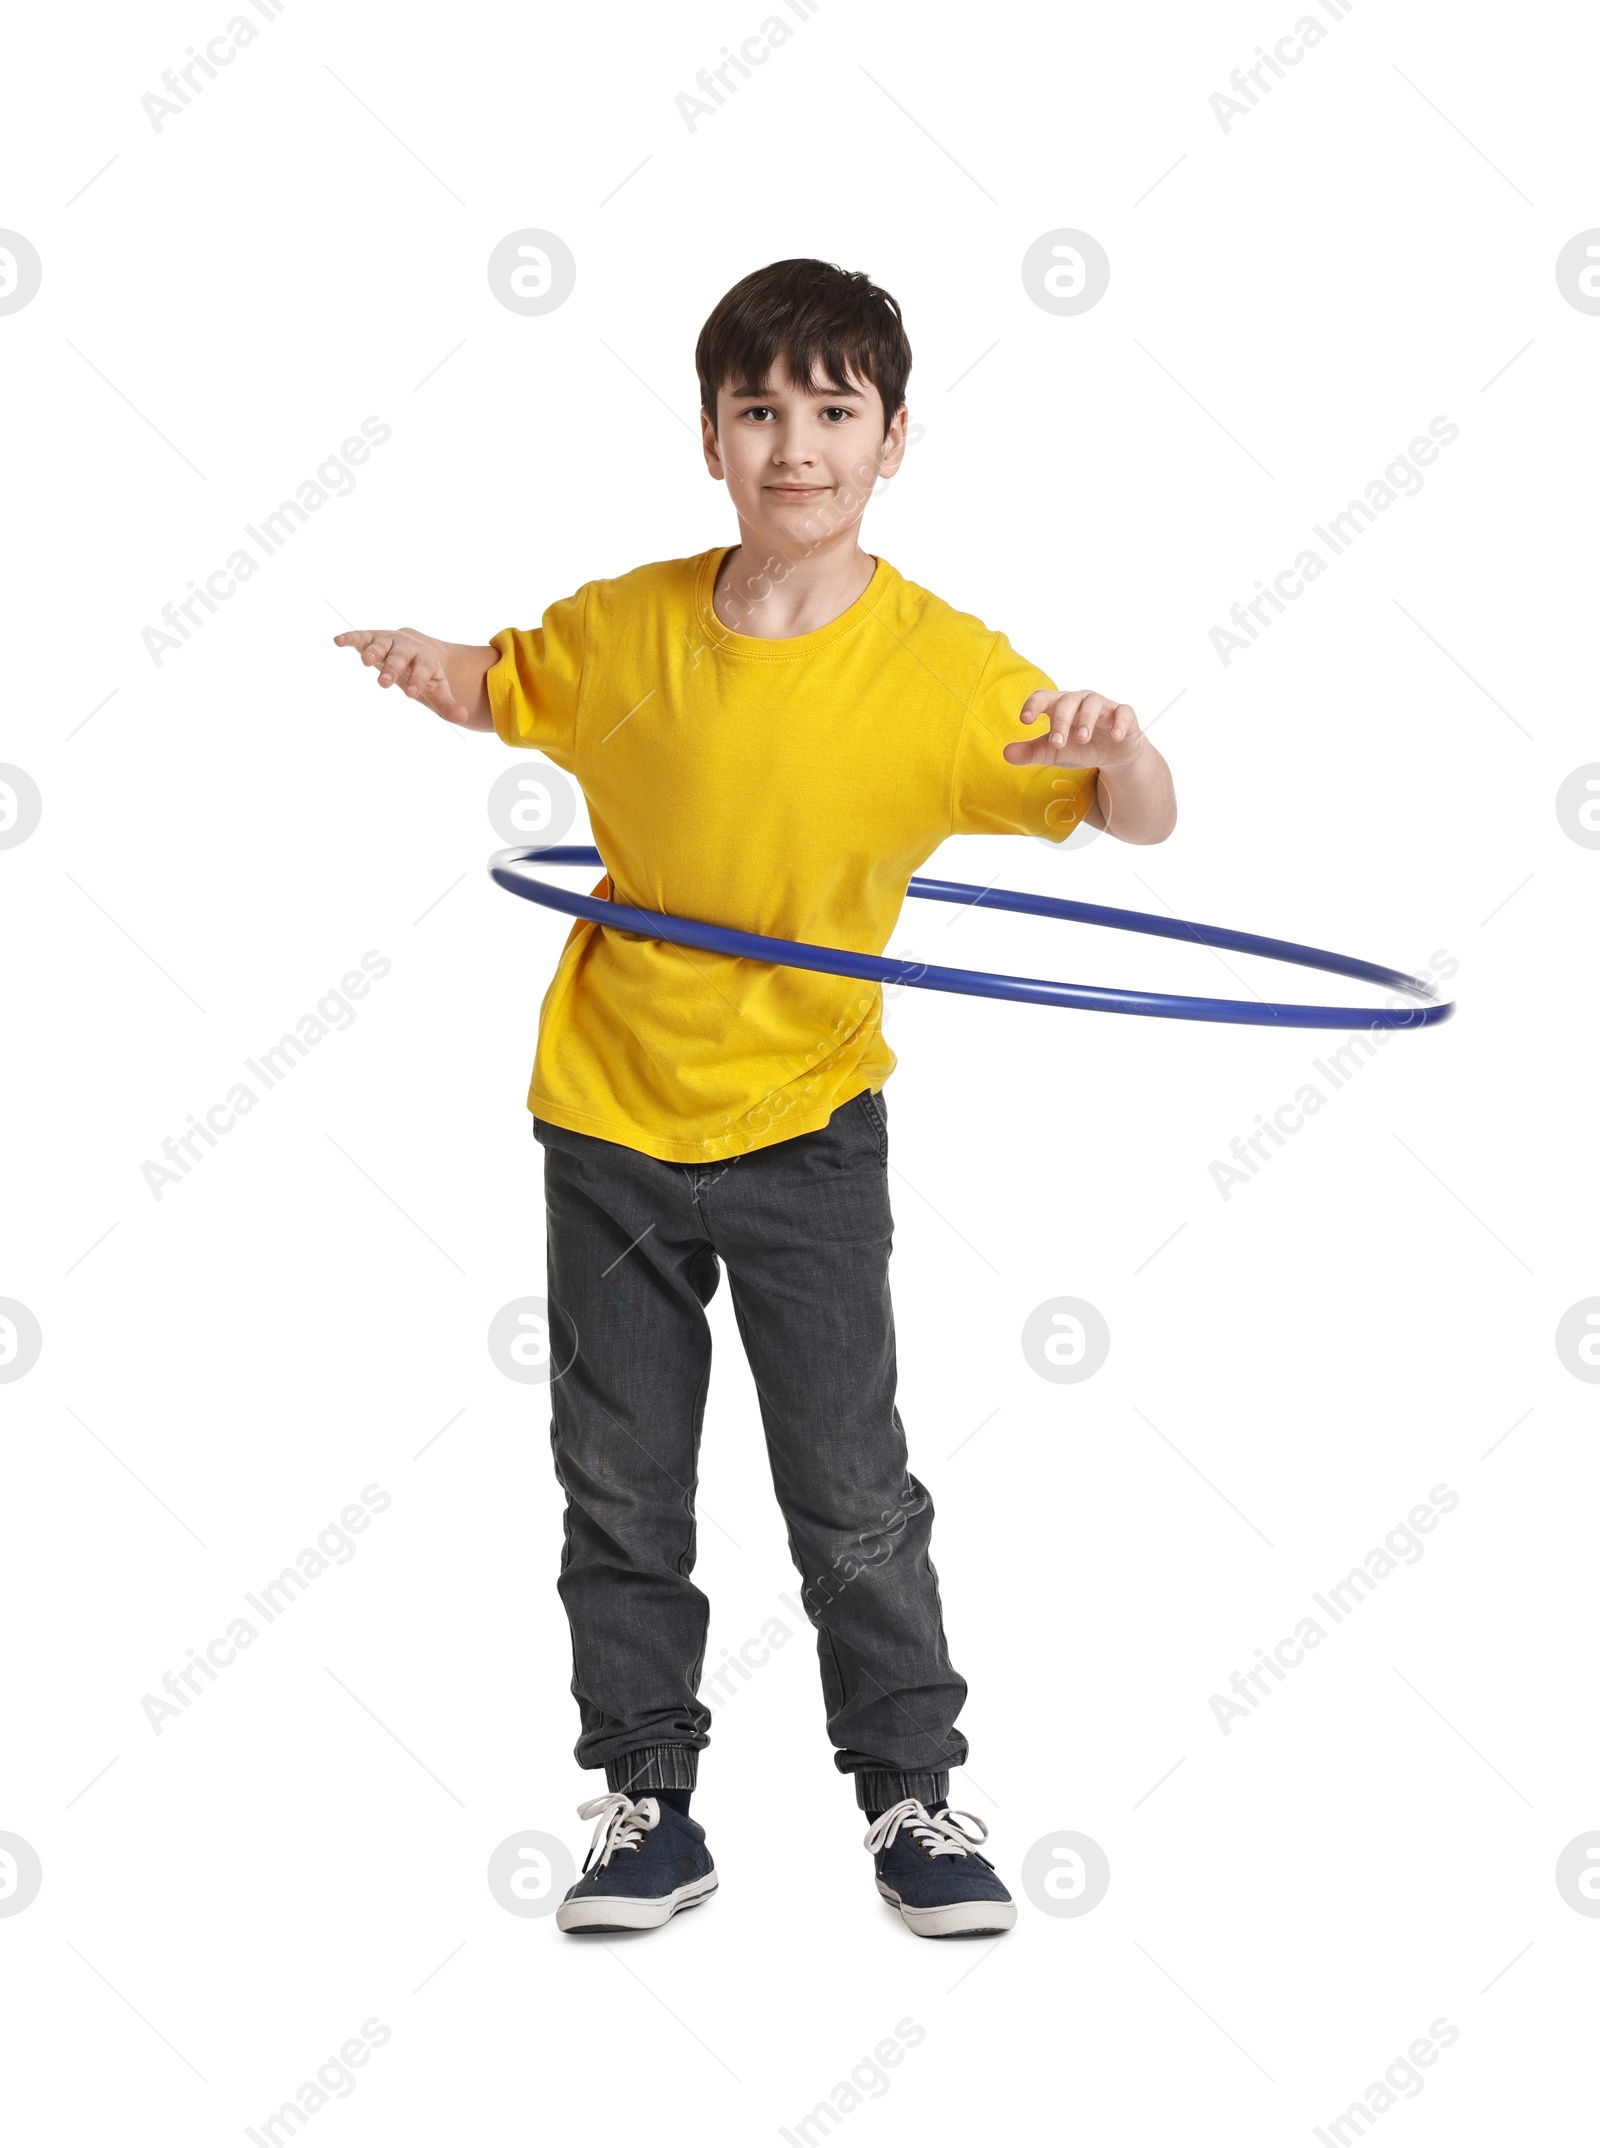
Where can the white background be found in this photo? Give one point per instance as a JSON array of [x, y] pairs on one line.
[[224, 835]]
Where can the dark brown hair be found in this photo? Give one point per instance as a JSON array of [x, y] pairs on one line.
[[805, 311]]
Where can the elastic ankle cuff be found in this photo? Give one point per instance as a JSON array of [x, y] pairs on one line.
[[653, 1767], [877, 1789]]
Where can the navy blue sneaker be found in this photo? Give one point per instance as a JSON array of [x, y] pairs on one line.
[[646, 1862], [928, 1866]]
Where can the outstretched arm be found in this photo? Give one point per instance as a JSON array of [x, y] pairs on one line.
[[1134, 798], [446, 676]]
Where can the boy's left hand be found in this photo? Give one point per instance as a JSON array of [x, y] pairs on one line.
[[1086, 731]]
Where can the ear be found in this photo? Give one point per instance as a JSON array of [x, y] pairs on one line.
[[708, 442], [894, 446]]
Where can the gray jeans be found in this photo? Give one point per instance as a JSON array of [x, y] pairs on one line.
[[635, 1247]]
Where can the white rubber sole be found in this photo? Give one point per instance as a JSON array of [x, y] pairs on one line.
[[627, 1913], [953, 1919]]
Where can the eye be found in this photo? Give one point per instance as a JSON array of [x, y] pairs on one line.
[[837, 410], [757, 410]]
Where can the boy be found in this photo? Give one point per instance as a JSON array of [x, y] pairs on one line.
[[772, 736]]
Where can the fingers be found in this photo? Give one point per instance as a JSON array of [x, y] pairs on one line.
[[1080, 723], [426, 682], [1078, 718], [389, 651], [1059, 708], [409, 661], [371, 645], [405, 663], [1109, 723]]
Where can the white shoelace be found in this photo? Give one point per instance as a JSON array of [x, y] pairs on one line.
[[937, 1832], [622, 1823]]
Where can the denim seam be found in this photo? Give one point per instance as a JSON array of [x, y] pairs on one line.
[[692, 1490]]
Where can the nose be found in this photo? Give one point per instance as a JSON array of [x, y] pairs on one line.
[[794, 451]]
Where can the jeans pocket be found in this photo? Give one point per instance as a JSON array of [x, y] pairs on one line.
[[873, 1109]]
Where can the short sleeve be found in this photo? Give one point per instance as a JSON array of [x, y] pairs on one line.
[[993, 796], [534, 687]]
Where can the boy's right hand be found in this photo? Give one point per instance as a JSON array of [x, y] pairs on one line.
[[432, 672]]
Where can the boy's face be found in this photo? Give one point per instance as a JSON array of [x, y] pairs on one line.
[[800, 463]]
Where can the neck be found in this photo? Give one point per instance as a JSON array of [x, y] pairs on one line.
[[776, 588]]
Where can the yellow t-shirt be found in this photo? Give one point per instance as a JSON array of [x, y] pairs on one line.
[[785, 787]]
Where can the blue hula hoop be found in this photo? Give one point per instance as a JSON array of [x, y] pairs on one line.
[[506, 869]]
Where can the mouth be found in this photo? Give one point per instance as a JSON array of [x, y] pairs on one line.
[[795, 492]]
